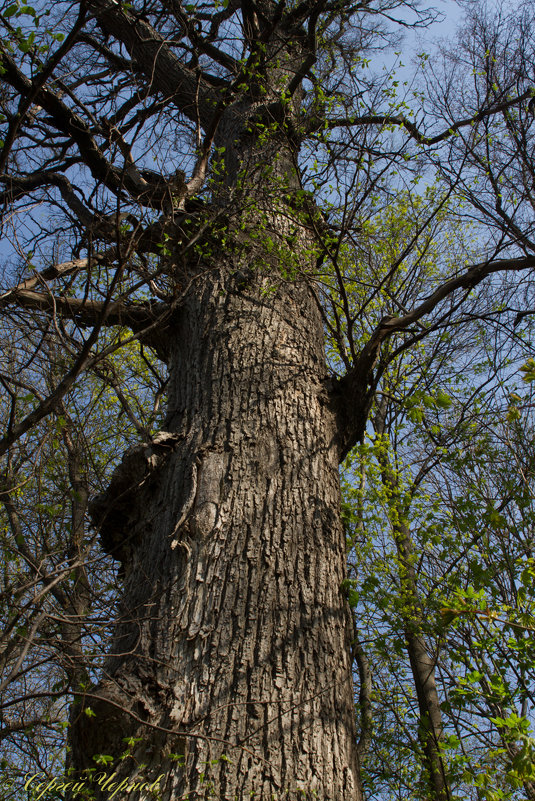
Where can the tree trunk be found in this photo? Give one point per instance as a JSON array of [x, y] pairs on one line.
[[423, 665], [234, 638]]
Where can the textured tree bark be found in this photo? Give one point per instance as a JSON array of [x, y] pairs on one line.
[[234, 626], [231, 660]]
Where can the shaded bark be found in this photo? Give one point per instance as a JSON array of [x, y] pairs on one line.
[[234, 625], [231, 657]]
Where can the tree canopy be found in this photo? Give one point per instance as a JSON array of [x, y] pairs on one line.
[[264, 193]]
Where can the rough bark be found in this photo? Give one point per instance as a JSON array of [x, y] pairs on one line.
[[231, 658], [234, 626]]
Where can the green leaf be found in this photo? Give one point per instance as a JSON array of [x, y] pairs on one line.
[[11, 10], [443, 400]]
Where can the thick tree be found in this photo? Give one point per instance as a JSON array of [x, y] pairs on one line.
[[229, 673]]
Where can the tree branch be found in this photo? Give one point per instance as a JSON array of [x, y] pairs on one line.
[[101, 313], [42, 77], [150, 53], [86, 312], [399, 120], [153, 193], [357, 387], [98, 225]]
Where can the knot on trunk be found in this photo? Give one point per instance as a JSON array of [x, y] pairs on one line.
[[117, 511]]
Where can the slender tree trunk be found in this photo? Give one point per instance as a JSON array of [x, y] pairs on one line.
[[234, 627], [423, 666], [430, 729]]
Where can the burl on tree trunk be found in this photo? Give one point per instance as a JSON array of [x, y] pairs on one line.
[[231, 659]]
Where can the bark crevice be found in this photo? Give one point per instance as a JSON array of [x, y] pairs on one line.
[[233, 627]]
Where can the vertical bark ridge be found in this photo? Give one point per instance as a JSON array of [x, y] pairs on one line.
[[245, 613]]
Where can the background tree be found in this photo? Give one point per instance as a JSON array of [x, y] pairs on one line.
[[458, 582], [202, 175]]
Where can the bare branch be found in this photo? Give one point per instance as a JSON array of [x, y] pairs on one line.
[[410, 127], [151, 54], [358, 385]]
